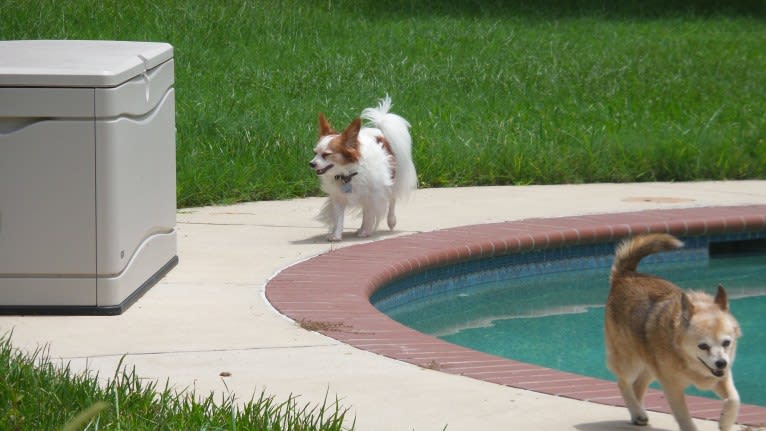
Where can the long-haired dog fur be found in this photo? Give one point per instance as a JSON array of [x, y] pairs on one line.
[[368, 168], [654, 330]]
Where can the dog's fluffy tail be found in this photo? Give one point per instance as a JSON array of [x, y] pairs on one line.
[[630, 252], [397, 131]]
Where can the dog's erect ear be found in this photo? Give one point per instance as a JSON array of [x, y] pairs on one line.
[[324, 126], [722, 299], [687, 310], [351, 133]]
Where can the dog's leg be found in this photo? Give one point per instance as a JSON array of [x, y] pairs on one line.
[[391, 214], [368, 222], [339, 210], [639, 389], [637, 413], [726, 390], [675, 396]]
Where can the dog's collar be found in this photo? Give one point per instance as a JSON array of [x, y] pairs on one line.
[[345, 179]]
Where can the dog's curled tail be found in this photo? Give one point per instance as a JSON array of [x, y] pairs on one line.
[[630, 252], [397, 131]]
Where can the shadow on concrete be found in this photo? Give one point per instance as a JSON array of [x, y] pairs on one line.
[[348, 238], [615, 426]]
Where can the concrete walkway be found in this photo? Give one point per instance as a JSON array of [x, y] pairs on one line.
[[209, 315]]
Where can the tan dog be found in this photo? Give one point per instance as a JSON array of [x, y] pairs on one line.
[[654, 330]]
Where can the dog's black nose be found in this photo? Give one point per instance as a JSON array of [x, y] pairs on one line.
[[720, 364], [312, 164]]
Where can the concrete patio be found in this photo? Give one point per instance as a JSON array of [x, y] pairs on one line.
[[209, 315]]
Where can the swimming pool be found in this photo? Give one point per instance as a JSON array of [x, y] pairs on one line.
[[547, 308], [334, 290]]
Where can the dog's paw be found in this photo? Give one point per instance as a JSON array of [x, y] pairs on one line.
[[391, 221], [363, 233], [334, 238], [641, 420]]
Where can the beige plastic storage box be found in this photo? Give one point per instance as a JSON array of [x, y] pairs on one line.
[[87, 174]]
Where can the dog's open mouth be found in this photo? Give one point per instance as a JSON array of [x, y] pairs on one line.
[[325, 169], [717, 373]]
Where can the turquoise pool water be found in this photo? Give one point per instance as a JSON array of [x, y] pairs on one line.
[[548, 310]]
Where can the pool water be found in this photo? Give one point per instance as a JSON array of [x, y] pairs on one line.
[[556, 320]]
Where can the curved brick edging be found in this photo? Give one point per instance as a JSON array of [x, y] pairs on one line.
[[331, 292]]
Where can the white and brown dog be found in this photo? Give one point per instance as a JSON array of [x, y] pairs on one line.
[[655, 330], [368, 168]]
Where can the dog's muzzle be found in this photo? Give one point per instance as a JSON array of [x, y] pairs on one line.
[[320, 171], [720, 366]]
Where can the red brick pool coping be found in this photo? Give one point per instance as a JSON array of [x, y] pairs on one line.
[[330, 293]]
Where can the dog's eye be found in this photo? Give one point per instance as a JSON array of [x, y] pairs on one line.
[[326, 154], [703, 346], [726, 343]]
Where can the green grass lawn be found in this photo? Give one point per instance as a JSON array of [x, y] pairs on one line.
[[36, 394], [498, 92]]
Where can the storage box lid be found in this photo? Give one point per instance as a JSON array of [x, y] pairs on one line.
[[77, 63]]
